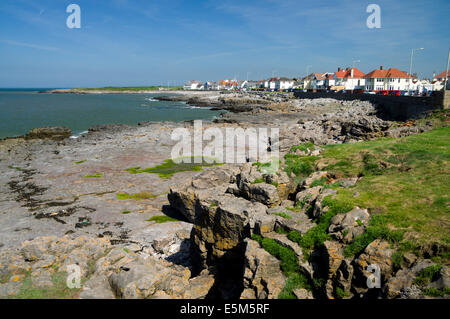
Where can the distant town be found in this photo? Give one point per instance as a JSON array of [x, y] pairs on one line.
[[379, 81]]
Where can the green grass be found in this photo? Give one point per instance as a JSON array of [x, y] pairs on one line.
[[377, 229], [59, 290], [162, 219], [282, 214], [301, 166], [138, 196], [316, 236], [79, 162], [126, 212], [168, 168], [404, 181], [319, 182], [341, 294], [97, 175], [428, 275], [433, 292], [303, 147], [288, 264], [258, 181]]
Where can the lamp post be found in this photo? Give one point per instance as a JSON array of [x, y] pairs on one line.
[[410, 65], [446, 71], [307, 73], [351, 71]]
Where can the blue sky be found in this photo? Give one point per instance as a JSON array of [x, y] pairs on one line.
[[148, 42]]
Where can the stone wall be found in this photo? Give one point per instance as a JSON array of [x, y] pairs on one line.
[[398, 108]]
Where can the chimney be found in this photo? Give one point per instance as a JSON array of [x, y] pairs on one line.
[[339, 69], [381, 67]]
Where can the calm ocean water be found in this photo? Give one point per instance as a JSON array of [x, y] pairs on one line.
[[22, 110]]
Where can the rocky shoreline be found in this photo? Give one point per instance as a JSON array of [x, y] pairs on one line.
[[72, 201]]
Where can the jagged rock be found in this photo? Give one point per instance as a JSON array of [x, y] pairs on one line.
[[443, 280], [285, 186], [378, 253], [402, 281], [333, 255], [307, 197], [263, 278], [348, 182], [319, 209], [313, 177], [206, 184], [143, 278], [344, 275], [55, 133], [303, 294], [221, 228], [298, 222], [97, 287], [285, 242], [35, 249], [41, 278], [266, 194], [345, 227]]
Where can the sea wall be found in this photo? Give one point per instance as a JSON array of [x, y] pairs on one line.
[[399, 108]]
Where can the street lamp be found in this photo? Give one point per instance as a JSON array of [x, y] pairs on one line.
[[410, 65], [351, 71]]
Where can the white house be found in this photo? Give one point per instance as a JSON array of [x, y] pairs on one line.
[[282, 83], [314, 81], [390, 80], [350, 79], [439, 81]]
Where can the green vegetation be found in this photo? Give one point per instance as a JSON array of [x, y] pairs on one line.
[[403, 185], [283, 214], [138, 196], [79, 162], [59, 290], [341, 294], [289, 266], [303, 147], [433, 292], [316, 236], [428, 275], [168, 168], [319, 182], [258, 181], [97, 175], [377, 229], [301, 166], [162, 219], [126, 212]]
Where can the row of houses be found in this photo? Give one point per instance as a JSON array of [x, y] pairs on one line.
[[350, 79], [381, 79]]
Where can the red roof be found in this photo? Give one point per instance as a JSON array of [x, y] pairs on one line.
[[442, 75], [389, 73], [345, 74]]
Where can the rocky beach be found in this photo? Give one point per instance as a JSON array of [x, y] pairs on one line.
[[225, 231]]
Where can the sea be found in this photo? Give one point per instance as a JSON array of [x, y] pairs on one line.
[[24, 109]]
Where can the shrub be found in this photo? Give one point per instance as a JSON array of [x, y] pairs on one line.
[[377, 229], [341, 294], [428, 275], [294, 281]]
